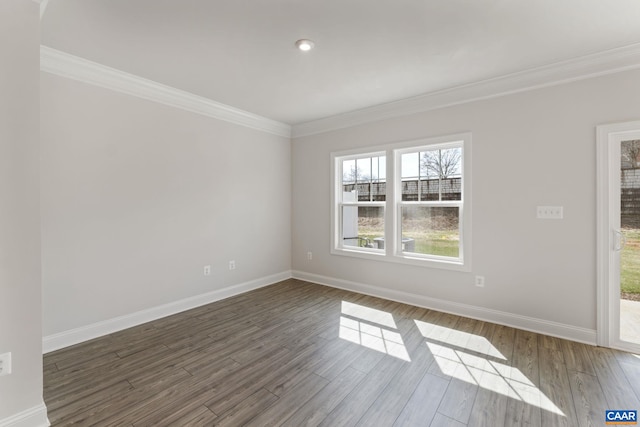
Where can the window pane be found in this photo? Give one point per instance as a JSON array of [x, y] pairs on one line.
[[348, 171], [379, 168], [378, 190], [363, 226], [365, 178], [431, 230], [451, 188], [410, 166], [363, 168], [430, 189], [410, 190], [374, 168], [378, 179], [444, 163], [441, 174], [410, 175], [440, 189]]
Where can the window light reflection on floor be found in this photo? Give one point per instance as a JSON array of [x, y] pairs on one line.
[[368, 314], [474, 343], [484, 368], [458, 354], [357, 328]]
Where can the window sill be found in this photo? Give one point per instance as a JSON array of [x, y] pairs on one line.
[[379, 255]]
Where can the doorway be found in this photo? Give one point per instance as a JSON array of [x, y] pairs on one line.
[[619, 236]]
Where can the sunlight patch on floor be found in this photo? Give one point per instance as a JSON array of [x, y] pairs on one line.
[[369, 314], [357, 329], [474, 343], [491, 375]]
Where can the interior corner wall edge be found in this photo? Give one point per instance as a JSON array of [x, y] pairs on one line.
[[531, 148], [20, 283]]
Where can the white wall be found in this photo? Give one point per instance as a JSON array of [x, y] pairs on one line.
[[137, 197], [532, 148], [20, 291]]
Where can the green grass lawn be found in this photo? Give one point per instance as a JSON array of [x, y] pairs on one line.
[[432, 242], [630, 263], [433, 235], [442, 242]]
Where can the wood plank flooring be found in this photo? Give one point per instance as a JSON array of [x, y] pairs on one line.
[[301, 354]]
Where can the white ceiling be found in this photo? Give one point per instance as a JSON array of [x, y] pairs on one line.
[[368, 52]]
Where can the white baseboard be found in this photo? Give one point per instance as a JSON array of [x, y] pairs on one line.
[[95, 330], [573, 333], [32, 417]]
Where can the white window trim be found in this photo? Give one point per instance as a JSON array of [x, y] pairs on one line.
[[391, 253], [338, 203]]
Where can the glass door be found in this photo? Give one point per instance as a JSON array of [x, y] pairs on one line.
[[628, 239], [618, 236]]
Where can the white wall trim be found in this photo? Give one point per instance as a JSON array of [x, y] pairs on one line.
[[73, 67], [32, 417], [604, 325], [584, 67], [573, 333], [95, 330]]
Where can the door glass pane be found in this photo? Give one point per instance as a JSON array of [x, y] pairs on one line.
[[431, 230], [630, 252]]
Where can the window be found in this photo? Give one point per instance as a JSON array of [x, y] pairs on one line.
[[415, 208], [361, 201], [431, 199]]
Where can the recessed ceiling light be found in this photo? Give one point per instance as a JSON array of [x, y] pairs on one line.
[[304, 45]]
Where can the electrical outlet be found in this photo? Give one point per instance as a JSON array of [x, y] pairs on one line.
[[549, 212], [480, 281], [207, 270], [232, 265], [309, 255], [5, 364]]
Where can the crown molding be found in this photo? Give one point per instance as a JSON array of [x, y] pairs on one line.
[[73, 67], [584, 67]]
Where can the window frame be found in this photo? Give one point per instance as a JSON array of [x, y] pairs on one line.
[[393, 204], [339, 203]]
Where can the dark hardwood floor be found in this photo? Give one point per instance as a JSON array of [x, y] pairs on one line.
[[300, 354]]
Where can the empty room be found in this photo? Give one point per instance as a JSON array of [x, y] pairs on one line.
[[319, 213]]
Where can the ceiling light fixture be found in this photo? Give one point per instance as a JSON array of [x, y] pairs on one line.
[[304, 45]]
